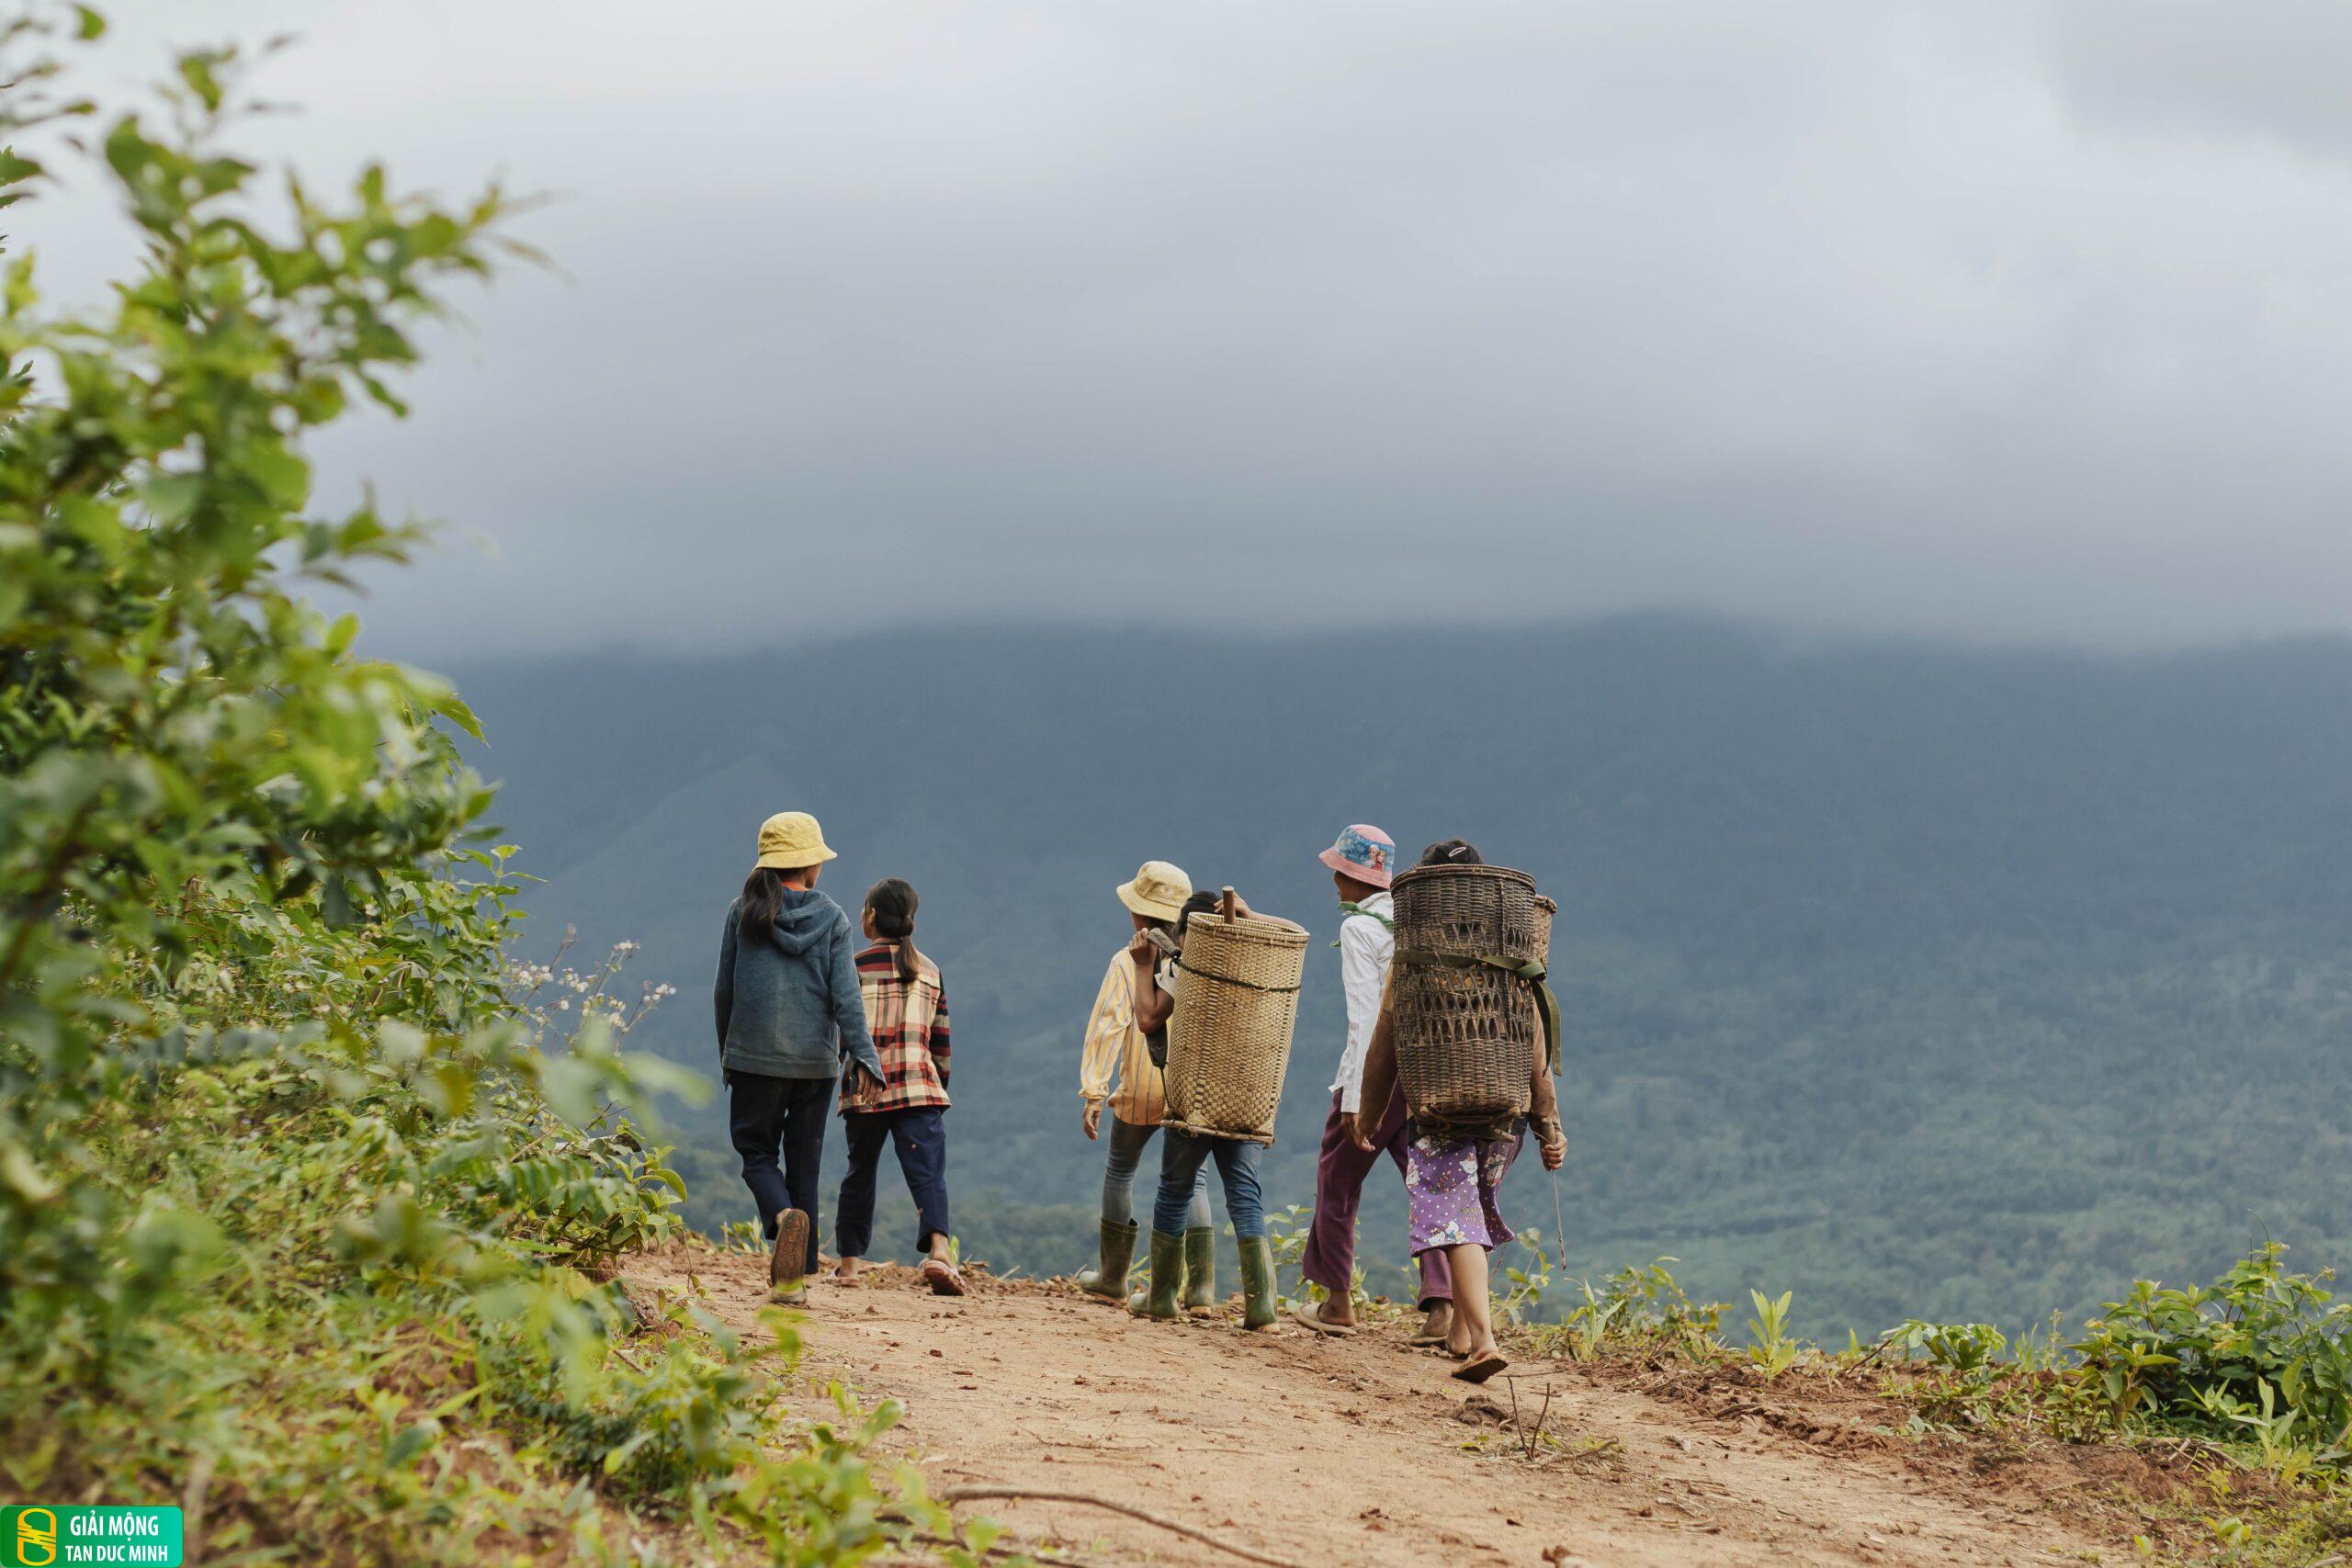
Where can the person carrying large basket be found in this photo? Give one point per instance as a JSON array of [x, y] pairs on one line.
[[1470, 1031], [1222, 1033], [1116, 1072], [1361, 862]]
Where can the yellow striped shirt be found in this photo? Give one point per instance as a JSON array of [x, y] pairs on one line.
[[1116, 1049]]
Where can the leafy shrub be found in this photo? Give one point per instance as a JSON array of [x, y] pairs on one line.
[[1968, 1348], [309, 1208], [1772, 1349], [1644, 1309], [2261, 1353]]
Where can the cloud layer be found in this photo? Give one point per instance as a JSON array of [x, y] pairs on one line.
[[2019, 319]]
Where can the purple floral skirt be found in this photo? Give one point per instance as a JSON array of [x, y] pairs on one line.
[[1450, 1187]]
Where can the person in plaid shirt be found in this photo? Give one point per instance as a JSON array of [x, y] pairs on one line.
[[906, 1007]]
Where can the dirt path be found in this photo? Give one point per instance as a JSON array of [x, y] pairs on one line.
[[1359, 1450]]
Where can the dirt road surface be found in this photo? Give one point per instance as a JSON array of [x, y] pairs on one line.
[[1363, 1451]]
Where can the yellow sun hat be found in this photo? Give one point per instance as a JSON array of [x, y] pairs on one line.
[[1158, 892], [790, 841]]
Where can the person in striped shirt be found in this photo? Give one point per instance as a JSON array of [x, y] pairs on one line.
[[1185, 1155], [906, 1007], [1116, 1072]]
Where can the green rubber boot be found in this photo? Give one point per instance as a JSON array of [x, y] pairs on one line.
[[1109, 1278], [1167, 1278], [1256, 1282], [1200, 1271], [1143, 1291]]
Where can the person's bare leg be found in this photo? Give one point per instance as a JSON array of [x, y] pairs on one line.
[[939, 1248], [846, 1269], [1472, 1330]]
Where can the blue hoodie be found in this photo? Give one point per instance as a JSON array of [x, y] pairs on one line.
[[787, 1000]]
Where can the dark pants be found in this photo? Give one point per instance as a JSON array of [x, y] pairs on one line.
[[921, 1135], [768, 1116], [1340, 1172], [1182, 1157]]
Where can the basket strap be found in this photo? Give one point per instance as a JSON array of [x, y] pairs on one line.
[[1546, 1004], [1232, 980], [1350, 906]]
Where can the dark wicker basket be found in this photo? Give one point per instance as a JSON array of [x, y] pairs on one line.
[[1466, 1036]]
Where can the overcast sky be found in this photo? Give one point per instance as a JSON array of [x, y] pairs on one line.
[[2006, 320]]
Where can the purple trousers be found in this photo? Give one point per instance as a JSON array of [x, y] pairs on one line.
[[1340, 1172]]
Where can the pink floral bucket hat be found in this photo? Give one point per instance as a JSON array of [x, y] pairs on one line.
[[1364, 853]]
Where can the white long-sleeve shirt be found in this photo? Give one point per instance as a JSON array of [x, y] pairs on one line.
[[1365, 950]]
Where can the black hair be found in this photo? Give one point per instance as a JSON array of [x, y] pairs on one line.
[[762, 902], [1452, 851], [891, 902], [1200, 903]]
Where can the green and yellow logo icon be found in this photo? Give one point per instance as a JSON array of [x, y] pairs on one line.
[[36, 1536]]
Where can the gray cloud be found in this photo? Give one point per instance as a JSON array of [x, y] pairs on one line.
[[2026, 321]]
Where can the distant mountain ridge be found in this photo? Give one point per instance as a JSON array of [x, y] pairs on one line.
[[1922, 978]]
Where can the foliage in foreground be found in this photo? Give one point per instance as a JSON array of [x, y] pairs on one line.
[[308, 1220], [2249, 1375]]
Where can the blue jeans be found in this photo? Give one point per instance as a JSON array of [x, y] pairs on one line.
[[920, 1133], [1184, 1161], [771, 1117], [1127, 1140]]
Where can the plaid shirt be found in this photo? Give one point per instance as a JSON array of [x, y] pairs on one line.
[[910, 1022]]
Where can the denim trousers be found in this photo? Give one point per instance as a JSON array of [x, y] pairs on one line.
[[1127, 1140], [921, 1135], [778, 1128], [1184, 1161]]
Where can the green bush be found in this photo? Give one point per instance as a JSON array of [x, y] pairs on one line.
[[309, 1208], [2263, 1355], [1640, 1308]]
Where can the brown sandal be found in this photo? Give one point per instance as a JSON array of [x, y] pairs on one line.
[[1482, 1368], [942, 1278], [1311, 1315]]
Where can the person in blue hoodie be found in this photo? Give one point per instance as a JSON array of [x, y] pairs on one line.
[[790, 1018]]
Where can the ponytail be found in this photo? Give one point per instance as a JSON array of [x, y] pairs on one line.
[[762, 902], [891, 902]]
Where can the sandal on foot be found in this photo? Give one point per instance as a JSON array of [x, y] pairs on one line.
[[1309, 1314], [942, 1278], [1481, 1368]]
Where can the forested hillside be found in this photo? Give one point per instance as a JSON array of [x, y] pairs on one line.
[[1938, 981]]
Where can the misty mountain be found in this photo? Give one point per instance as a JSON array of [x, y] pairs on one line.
[[1923, 979]]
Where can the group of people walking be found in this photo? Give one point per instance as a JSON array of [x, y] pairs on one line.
[[800, 1007]]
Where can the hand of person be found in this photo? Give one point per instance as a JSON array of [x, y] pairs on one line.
[[1091, 1118], [867, 1078], [1348, 1119], [1359, 1136], [1555, 1146], [1142, 952]]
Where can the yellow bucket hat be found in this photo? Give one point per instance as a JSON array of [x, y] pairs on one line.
[[1158, 892], [790, 841]]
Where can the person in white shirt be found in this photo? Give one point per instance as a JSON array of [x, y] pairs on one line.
[[1361, 862]]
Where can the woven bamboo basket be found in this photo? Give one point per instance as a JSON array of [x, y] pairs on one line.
[[1228, 1043], [1464, 1036]]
